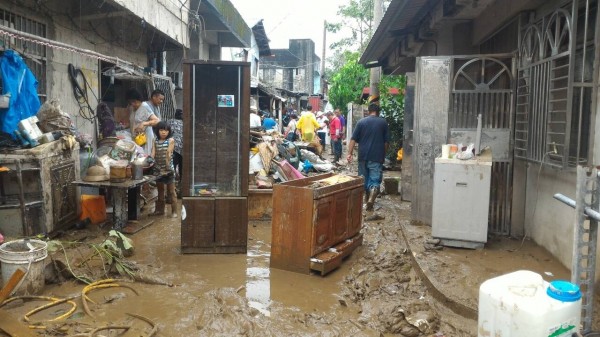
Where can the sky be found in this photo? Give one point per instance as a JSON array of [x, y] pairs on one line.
[[287, 19]]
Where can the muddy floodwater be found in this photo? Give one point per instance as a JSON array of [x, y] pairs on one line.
[[376, 291]]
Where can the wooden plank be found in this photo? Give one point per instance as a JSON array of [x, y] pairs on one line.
[[356, 219], [197, 229], [245, 128], [325, 262], [215, 250], [348, 246], [13, 281], [186, 178], [231, 227]]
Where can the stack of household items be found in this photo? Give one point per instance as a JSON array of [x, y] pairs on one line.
[[274, 159]]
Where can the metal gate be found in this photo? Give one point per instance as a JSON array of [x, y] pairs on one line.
[[450, 93], [484, 85]]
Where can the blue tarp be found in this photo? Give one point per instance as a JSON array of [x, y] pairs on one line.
[[21, 84]]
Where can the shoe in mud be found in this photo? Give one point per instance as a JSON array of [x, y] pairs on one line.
[[174, 215]]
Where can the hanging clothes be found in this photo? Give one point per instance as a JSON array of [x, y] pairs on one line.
[[21, 84]]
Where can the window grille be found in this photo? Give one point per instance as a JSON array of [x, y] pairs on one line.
[[553, 121], [34, 54]]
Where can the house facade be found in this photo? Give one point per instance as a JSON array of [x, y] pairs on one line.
[[296, 71], [530, 68], [115, 44]]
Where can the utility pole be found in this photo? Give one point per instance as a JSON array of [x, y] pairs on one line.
[[375, 73], [323, 58]]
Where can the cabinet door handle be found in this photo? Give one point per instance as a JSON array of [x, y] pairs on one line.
[[460, 184]]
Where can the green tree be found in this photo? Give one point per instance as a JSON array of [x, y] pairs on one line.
[[347, 83], [348, 78], [357, 20]]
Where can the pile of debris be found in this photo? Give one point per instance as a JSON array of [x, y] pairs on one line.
[[274, 159]]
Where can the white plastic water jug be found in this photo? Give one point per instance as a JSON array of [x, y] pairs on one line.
[[522, 304]]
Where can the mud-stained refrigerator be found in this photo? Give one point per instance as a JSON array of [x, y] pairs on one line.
[[461, 199], [216, 129]]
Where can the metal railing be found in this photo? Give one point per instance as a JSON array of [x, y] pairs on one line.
[[585, 238]]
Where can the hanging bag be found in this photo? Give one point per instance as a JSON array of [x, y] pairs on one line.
[[140, 139]]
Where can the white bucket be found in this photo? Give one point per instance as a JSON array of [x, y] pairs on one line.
[[445, 151], [28, 255], [522, 304]]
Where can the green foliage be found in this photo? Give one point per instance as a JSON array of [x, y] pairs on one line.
[[347, 83], [392, 107], [347, 78], [357, 18]]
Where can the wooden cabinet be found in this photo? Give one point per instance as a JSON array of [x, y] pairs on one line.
[[316, 222], [215, 156]]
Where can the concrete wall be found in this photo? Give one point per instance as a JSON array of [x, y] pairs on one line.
[[549, 222], [164, 15]]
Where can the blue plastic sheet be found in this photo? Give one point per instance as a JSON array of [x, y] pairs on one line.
[[21, 84]]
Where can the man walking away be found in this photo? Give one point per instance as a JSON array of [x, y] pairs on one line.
[[335, 133], [372, 135]]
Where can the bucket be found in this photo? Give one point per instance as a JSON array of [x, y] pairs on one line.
[[94, 208], [137, 171], [445, 151], [522, 304], [28, 255]]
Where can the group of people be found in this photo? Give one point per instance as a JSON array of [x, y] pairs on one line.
[[370, 133], [259, 119], [160, 144]]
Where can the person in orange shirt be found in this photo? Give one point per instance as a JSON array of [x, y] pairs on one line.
[[308, 124]]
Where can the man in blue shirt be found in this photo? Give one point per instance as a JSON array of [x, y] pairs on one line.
[[372, 135]]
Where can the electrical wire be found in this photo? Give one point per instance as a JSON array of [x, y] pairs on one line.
[[80, 93]]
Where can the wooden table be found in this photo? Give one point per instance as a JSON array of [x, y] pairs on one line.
[[125, 197]]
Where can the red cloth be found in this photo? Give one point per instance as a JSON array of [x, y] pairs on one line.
[[335, 128]]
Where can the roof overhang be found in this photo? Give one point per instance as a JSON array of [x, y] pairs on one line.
[[221, 16], [400, 19], [262, 41], [409, 24], [119, 17]]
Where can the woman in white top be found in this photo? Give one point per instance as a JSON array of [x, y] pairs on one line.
[[290, 130], [142, 119]]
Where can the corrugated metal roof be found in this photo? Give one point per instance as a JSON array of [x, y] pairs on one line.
[[400, 16]]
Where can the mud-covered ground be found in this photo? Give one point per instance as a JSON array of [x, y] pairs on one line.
[[376, 292]]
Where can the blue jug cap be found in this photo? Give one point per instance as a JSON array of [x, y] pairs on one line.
[[564, 291]]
